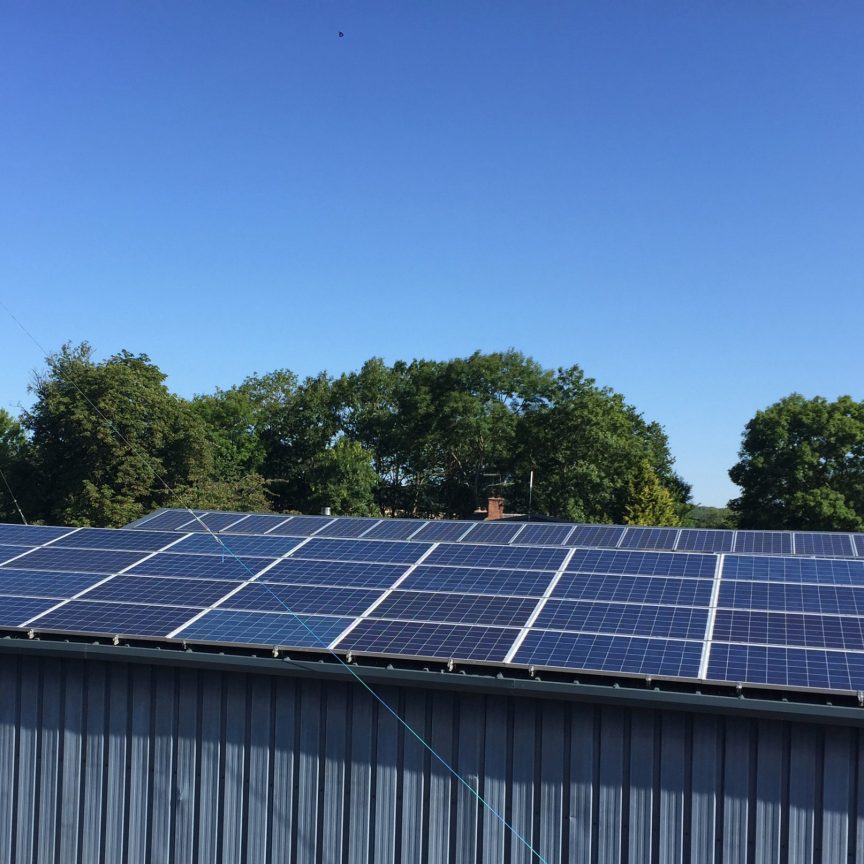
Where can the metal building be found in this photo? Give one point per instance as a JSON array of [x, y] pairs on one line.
[[125, 753]]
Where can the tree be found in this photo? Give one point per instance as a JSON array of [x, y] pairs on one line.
[[342, 477], [649, 502], [107, 436], [15, 468], [801, 466]]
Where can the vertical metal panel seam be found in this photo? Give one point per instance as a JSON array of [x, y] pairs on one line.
[[687, 812], [16, 762], [820, 795]]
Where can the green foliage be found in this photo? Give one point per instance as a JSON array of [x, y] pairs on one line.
[[15, 466], [801, 466], [342, 478], [649, 502], [699, 516]]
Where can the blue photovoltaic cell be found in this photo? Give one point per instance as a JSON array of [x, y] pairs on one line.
[[691, 565], [788, 667], [631, 654], [479, 580], [240, 544], [198, 593], [777, 628], [211, 522], [347, 527], [443, 530], [626, 618], [201, 566], [302, 526], [792, 597], [512, 557], [317, 599], [265, 628], [77, 560], [708, 540], [38, 583], [167, 520], [297, 571], [394, 529], [29, 535], [386, 551], [256, 524], [764, 542], [456, 608], [670, 591], [859, 544], [441, 641], [543, 535], [649, 538], [823, 544], [9, 552], [494, 532], [117, 539], [113, 619], [14, 611], [596, 535], [833, 571]]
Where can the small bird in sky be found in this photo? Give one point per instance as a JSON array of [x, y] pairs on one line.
[[341, 34]]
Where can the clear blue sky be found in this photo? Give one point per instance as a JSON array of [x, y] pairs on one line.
[[670, 195]]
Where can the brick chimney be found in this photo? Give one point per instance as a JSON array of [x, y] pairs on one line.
[[494, 509]]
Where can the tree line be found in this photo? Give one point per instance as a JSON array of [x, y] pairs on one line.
[[106, 442]]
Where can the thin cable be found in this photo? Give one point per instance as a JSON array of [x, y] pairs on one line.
[[404, 723], [12, 496]]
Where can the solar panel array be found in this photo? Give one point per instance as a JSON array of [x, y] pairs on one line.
[[601, 599]]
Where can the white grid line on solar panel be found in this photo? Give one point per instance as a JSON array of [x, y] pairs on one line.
[[629, 588], [692, 565], [302, 599], [351, 550], [432, 607], [813, 598], [432, 547], [543, 535], [116, 539], [254, 545], [394, 529], [24, 551], [538, 607], [251, 578], [39, 583], [704, 540], [789, 645], [823, 544], [712, 615], [10, 553], [496, 581], [813, 668], [816, 571], [843, 632], [624, 655], [649, 538], [428, 641], [504, 557], [763, 542], [91, 587], [634, 618], [256, 523]]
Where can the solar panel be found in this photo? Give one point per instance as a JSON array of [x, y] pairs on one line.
[[451, 641], [347, 527], [7, 553], [117, 539], [596, 535], [318, 599], [705, 540], [359, 574], [634, 655], [230, 544], [634, 589], [256, 524], [441, 531], [394, 529], [626, 618], [779, 628], [479, 580], [763, 542], [302, 526], [37, 583], [200, 566], [210, 522], [30, 535], [14, 611], [692, 565], [543, 535], [226, 626], [168, 520], [649, 538], [494, 532], [198, 593], [859, 544], [508, 557], [76, 560], [792, 597], [823, 544], [455, 608], [112, 619], [385, 551], [834, 571]]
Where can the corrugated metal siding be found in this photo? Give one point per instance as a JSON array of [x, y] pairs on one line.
[[109, 762]]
